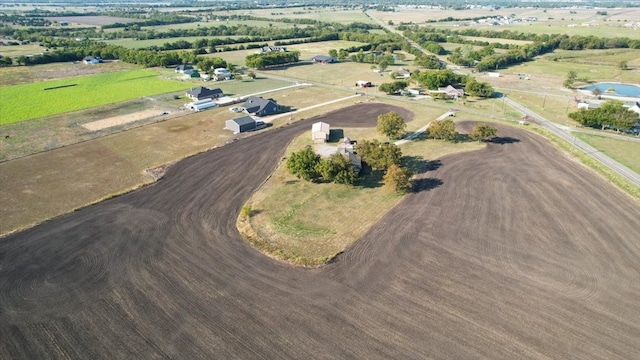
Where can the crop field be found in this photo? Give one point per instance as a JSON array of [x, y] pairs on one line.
[[332, 14], [552, 16], [623, 151], [28, 101], [139, 44], [18, 50], [213, 23], [493, 40], [15, 75], [453, 271], [91, 20]]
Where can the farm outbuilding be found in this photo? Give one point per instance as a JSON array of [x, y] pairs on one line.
[[320, 132], [241, 124], [323, 59]]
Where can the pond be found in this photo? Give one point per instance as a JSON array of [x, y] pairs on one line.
[[624, 90]]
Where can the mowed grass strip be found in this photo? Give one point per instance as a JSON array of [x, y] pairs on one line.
[[29, 101], [309, 224], [625, 152]]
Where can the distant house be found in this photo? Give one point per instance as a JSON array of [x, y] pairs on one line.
[[402, 73], [241, 124], [267, 49], [222, 77], [201, 92], [221, 71], [260, 107], [91, 60], [450, 92], [320, 132], [635, 107], [182, 68], [323, 59]]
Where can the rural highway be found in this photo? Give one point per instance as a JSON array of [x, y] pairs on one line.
[[588, 149]]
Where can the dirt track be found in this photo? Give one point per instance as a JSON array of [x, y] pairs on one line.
[[510, 252]]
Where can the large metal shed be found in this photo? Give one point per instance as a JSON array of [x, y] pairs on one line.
[[241, 124]]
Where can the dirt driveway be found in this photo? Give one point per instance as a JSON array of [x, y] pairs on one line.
[[510, 252]]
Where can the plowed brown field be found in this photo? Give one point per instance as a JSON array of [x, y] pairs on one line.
[[518, 253]]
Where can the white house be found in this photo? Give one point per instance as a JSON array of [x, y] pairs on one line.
[[320, 132]]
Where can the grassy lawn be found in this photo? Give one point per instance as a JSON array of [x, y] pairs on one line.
[[305, 222], [307, 51], [331, 14], [17, 50], [28, 101], [139, 44], [623, 151]]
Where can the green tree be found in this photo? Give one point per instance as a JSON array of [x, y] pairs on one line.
[[343, 55], [378, 155], [398, 179], [393, 87], [333, 53], [391, 125], [443, 129], [477, 88], [303, 164], [623, 65], [612, 113], [338, 169], [482, 132], [251, 75], [572, 76]]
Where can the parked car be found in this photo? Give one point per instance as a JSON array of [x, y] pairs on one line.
[[235, 109]]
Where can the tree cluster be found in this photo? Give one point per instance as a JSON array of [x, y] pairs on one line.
[[379, 155], [306, 164], [483, 132], [393, 87], [443, 130], [478, 88], [391, 125], [611, 114], [261, 61]]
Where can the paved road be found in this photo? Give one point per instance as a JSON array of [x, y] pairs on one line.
[[588, 149]]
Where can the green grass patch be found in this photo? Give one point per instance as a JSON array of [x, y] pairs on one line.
[[623, 151], [29, 101]]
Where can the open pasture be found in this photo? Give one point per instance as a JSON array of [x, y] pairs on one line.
[[327, 14], [96, 21], [28, 101], [307, 50], [139, 44], [419, 15], [214, 22], [15, 75], [18, 50], [623, 151]]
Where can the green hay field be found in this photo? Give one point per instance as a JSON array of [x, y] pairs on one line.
[[29, 101]]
